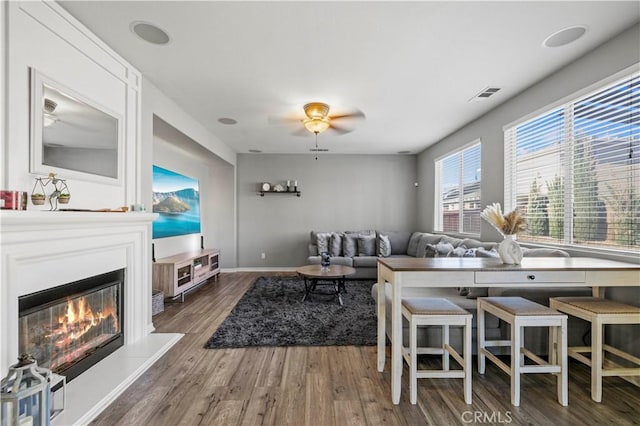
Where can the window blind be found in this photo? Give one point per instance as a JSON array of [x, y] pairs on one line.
[[574, 171], [458, 195]]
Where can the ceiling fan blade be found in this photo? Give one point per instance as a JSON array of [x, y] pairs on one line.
[[339, 130], [301, 132], [283, 120], [353, 114]]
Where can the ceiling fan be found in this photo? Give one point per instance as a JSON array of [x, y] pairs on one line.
[[318, 119]]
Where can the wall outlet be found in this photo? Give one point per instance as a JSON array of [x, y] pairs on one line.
[[263, 256]]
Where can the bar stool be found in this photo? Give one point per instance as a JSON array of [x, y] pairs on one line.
[[437, 311], [599, 312], [521, 313]]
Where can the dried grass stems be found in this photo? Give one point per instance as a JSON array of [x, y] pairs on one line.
[[509, 224]]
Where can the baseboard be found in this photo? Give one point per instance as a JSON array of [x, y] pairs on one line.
[[267, 269]]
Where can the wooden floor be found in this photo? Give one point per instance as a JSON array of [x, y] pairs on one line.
[[331, 385]]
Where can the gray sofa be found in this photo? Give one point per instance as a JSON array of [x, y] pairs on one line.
[[361, 249]]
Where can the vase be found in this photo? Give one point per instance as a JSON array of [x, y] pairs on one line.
[[510, 251]]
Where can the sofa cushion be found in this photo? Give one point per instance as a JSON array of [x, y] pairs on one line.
[[480, 252], [345, 261], [365, 261], [366, 245], [412, 246], [399, 240], [349, 245], [384, 245], [335, 244], [455, 242]]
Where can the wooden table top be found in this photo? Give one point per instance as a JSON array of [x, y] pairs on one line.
[[335, 271], [493, 264]]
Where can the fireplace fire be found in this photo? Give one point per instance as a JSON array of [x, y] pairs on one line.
[[71, 327]]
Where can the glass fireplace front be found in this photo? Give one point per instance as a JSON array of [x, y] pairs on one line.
[[71, 327]]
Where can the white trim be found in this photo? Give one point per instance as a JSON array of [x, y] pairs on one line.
[[576, 96], [267, 269]]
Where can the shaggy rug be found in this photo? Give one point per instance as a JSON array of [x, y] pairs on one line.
[[271, 314]]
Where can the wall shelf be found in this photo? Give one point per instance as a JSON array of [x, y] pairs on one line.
[[296, 193]]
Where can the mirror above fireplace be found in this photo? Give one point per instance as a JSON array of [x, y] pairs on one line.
[[73, 136]]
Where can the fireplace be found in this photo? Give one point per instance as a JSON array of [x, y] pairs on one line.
[[71, 327]]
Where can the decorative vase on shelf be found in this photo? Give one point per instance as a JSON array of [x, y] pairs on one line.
[[325, 261], [510, 251]]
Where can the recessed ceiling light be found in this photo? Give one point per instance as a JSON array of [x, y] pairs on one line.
[[150, 32], [255, 151], [565, 36], [227, 120]]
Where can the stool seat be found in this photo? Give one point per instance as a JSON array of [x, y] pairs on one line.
[[598, 305], [519, 306], [432, 306]]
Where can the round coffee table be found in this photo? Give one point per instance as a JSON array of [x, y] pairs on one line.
[[333, 274]]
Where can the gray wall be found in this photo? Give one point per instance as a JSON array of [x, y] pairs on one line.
[[175, 151], [339, 192], [608, 59]]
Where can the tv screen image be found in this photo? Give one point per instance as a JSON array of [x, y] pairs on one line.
[[177, 199]]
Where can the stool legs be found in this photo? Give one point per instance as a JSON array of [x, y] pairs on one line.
[[445, 353], [515, 363], [466, 347], [562, 353], [597, 339], [481, 345], [413, 367]]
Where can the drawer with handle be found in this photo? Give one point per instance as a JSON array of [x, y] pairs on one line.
[[543, 277]]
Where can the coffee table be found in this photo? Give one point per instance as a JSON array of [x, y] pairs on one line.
[[333, 274]]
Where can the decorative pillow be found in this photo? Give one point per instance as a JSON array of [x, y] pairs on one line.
[[458, 251], [350, 245], [471, 252], [335, 244], [322, 241], [480, 252], [444, 249], [384, 246], [366, 245]]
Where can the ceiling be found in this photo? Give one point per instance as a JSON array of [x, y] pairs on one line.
[[410, 67]]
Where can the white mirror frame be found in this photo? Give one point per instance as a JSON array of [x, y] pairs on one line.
[[36, 166]]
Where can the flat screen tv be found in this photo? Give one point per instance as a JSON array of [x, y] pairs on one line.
[[177, 199]]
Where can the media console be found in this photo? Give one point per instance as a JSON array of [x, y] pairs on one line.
[[174, 275]]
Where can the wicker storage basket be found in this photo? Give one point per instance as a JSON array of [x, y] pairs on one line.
[[157, 302]]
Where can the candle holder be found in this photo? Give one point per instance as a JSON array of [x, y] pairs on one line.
[[25, 394]]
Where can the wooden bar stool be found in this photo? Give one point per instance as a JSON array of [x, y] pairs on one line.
[[437, 311], [599, 312], [520, 313]]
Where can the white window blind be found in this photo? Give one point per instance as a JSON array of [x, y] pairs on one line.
[[574, 171], [458, 191]]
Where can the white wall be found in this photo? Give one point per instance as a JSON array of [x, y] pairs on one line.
[[339, 193], [40, 36], [615, 55]]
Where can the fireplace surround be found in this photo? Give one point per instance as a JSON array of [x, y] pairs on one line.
[[42, 250]]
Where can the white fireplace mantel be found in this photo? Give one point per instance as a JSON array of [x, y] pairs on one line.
[[43, 249]]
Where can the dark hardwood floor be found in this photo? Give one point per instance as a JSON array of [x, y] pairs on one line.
[[191, 385]]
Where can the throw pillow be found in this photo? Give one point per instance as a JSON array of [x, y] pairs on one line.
[[384, 246], [444, 249], [458, 251], [430, 251], [322, 241], [350, 245], [335, 244], [413, 244], [471, 252], [480, 252], [366, 245]]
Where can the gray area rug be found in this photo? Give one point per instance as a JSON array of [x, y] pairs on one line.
[[271, 314]]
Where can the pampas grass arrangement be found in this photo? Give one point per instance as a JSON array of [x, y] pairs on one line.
[[509, 224]]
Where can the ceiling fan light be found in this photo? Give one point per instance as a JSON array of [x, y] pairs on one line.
[[316, 125]]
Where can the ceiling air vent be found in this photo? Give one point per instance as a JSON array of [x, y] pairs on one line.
[[485, 94]]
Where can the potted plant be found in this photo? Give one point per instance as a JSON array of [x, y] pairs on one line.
[[37, 199], [64, 198]]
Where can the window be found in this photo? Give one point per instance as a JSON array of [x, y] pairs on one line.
[[458, 195], [575, 170]]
